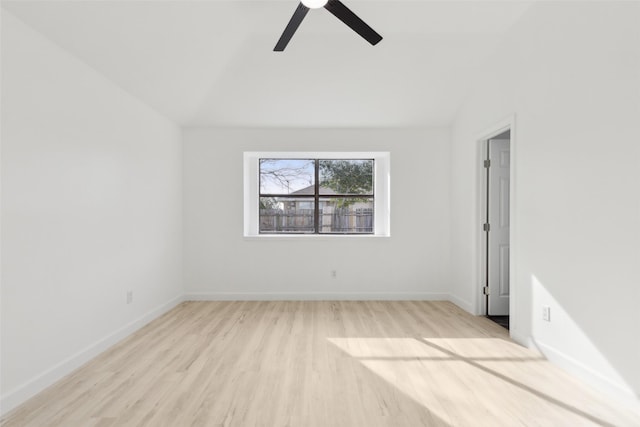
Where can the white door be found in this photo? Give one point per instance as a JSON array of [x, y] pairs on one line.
[[498, 235]]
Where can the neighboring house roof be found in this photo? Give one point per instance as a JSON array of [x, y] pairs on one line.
[[310, 191]]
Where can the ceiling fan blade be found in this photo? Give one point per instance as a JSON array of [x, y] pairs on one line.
[[291, 28], [343, 13]]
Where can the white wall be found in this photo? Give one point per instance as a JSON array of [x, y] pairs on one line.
[[91, 203], [412, 263], [571, 74], [91, 208]]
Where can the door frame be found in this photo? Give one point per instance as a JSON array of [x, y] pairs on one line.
[[508, 123]]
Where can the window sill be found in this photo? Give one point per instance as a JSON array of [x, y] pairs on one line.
[[252, 182], [314, 236]]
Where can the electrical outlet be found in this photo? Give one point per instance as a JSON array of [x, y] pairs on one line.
[[129, 297], [546, 313], [334, 274]]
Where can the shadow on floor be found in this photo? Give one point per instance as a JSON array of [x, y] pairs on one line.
[[500, 320]]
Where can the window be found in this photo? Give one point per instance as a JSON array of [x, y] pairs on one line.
[[316, 196], [310, 194]]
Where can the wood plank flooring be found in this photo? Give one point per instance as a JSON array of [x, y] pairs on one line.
[[326, 363]]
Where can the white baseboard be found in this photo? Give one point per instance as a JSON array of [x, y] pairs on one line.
[[314, 296], [21, 394], [619, 392], [520, 338], [465, 305]]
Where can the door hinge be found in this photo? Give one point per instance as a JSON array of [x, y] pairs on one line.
[[486, 227], [485, 290], [487, 163]]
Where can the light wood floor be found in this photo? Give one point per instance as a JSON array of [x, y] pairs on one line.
[[319, 364]]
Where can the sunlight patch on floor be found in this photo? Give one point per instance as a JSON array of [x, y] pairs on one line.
[[466, 379]]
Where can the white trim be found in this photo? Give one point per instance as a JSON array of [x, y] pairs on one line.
[[520, 338], [267, 237], [21, 394], [620, 392], [508, 123], [382, 189], [315, 296], [465, 305]]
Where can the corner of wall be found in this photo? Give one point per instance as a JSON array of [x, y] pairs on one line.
[[463, 304]]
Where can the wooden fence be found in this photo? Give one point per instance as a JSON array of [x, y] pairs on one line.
[[338, 220]]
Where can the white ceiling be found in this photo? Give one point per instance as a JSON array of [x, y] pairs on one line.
[[211, 63]]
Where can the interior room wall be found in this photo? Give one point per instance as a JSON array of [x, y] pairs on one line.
[[570, 72], [92, 200], [220, 263], [91, 209]]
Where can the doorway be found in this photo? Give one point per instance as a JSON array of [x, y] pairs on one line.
[[496, 227]]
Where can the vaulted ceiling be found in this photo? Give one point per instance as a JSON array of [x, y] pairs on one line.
[[211, 63]]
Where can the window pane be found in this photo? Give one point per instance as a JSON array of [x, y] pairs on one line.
[[287, 176], [346, 215], [346, 177], [286, 215]]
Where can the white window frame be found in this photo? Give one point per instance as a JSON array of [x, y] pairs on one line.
[[382, 191]]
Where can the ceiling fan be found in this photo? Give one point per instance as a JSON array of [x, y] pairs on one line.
[[338, 9]]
